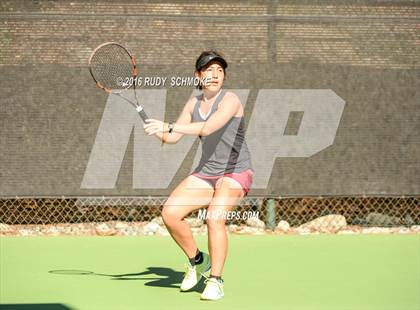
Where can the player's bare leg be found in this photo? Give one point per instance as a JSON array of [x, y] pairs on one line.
[[190, 195], [193, 193], [227, 195]]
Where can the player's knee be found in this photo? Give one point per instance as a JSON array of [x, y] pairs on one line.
[[169, 215]]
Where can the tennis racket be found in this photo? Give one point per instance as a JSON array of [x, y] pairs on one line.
[[114, 70]]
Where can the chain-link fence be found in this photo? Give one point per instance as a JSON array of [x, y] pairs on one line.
[[362, 211]]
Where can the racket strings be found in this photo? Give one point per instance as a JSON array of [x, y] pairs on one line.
[[111, 66]]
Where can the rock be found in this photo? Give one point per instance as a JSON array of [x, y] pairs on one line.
[[53, 231], [326, 223], [404, 230], [121, 226], [378, 219], [104, 230], [151, 228], [158, 220], [132, 229], [127, 232], [376, 230], [199, 231], [194, 222], [259, 231], [303, 230], [346, 232], [25, 232], [4, 228], [283, 226], [247, 230], [255, 223], [232, 228], [415, 228], [162, 232]]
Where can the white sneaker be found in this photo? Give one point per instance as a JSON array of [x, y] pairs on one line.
[[194, 273], [213, 290]]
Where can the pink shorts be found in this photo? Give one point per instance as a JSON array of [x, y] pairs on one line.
[[244, 178]]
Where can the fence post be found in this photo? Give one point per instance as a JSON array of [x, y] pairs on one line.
[[271, 214]]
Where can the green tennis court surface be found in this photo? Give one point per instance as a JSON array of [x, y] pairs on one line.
[[262, 272]]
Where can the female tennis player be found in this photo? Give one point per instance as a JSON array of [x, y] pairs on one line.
[[221, 179]]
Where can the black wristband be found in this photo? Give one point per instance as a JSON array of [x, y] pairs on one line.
[[171, 127]]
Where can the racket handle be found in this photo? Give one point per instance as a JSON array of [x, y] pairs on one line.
[[142, 114]]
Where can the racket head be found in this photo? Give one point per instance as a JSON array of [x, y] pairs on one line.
[[112, 67]]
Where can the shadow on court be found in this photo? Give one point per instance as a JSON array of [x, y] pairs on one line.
[[166, 277], [34, 307]]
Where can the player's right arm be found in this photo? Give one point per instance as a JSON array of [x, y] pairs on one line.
[[184, 119]]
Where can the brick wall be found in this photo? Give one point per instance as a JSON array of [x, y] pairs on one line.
[[378, 34]]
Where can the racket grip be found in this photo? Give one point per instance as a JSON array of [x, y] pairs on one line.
[[142, 114]]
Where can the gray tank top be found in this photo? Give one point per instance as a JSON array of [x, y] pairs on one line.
[[225, 150]]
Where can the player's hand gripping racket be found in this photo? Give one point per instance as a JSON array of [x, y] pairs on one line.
[[114, 70]]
